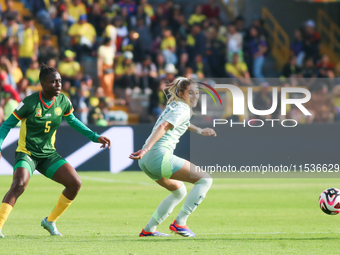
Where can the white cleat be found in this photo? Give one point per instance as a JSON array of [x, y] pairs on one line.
[[1, 234], [50, 227]]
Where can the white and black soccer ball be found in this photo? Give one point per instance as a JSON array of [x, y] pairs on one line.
[[329, 201]]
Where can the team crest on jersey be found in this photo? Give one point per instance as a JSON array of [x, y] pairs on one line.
[[38, 112], [58, 111]]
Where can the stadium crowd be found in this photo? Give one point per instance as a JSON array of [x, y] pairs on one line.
[[139, 48]]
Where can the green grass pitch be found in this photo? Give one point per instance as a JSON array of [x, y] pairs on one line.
[[238, 216]]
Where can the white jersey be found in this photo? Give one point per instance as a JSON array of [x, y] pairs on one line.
[[178, 114]]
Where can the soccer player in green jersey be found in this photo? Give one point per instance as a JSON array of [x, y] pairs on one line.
[[40, 116], [156, 159]]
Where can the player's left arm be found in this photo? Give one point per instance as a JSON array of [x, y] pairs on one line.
[[10, 123], [84, 130], [204, 131]]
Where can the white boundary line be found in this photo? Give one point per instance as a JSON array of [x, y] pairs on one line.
[[115, 181], [252, 233]]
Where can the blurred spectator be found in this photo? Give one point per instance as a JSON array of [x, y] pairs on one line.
[[235, 42], [52, 63], [297, 47], [4, 86], [158, 99], [122, 30], [70, 69], [157, 30], [28, 43], [105, 59], [311, 41], [320, 103], [309, 73], [215, 54], [111, 9], [3, 31], [62, 26], [111, 32], [145, 37], [240, 26], [12, 27], [197, 16], [6, 65], [200, 68], [75, 10], [170, 72], [263, 100], [46, 50], [81, 103], [196, 42], [88, 81], [168, 47], [39, 9], [95, 17], [146, 72], [10, 11], [148, 9], [160, 65], [97, 114], [183, 64], [257, 46], [211, 10], [140, 13], [83, 37], [32, 73], [9, 105], [125, 76], [129, 5], [291, 70], [238, 69], [325, 67], [258, 23], [131, 43], [17, 74], [8, 48]]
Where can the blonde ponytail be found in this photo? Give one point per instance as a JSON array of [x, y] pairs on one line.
[[180, 84]]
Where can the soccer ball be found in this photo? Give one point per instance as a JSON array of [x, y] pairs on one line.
[[329, 201]]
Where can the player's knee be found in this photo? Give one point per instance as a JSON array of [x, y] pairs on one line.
[[181, 192], [206, 180], [77, 184], [18, 187]]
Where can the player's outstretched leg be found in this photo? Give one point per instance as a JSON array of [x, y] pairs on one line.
[[202, 184], [67, 176], [178, 192], [21, 177]]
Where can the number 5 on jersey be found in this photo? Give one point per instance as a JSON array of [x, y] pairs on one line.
[[48, 128]]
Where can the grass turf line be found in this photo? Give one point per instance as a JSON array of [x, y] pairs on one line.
[[238, 216]]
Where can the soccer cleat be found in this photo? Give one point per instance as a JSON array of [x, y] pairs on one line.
[[181, 230], [156, 233], [50, 227], [1, 234]]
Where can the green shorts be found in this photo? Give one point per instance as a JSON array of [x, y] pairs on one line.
[[46, 166], [160, 162]]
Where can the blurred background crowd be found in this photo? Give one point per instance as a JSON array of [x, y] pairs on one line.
[[116, 57]]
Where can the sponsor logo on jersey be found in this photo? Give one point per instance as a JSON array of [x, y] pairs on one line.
[[48, 115], [58, 111], [38, 112]]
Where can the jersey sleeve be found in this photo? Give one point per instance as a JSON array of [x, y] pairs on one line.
[[68, 109], [22, 110], [175, 114]]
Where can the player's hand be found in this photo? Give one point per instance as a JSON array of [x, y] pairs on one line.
[[139, 154], [208, 132], [103, 140]]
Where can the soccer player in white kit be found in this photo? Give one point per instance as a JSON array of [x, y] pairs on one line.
[[157, 160]]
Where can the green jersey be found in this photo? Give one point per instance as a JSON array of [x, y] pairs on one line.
[[178, 114], [39, 123]]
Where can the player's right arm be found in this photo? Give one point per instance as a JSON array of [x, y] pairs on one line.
[[160, 131], [10, 123]]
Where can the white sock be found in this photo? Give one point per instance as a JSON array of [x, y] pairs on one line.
[[194, 198], [165, 208]]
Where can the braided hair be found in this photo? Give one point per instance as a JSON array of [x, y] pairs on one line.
[[45, 70]]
